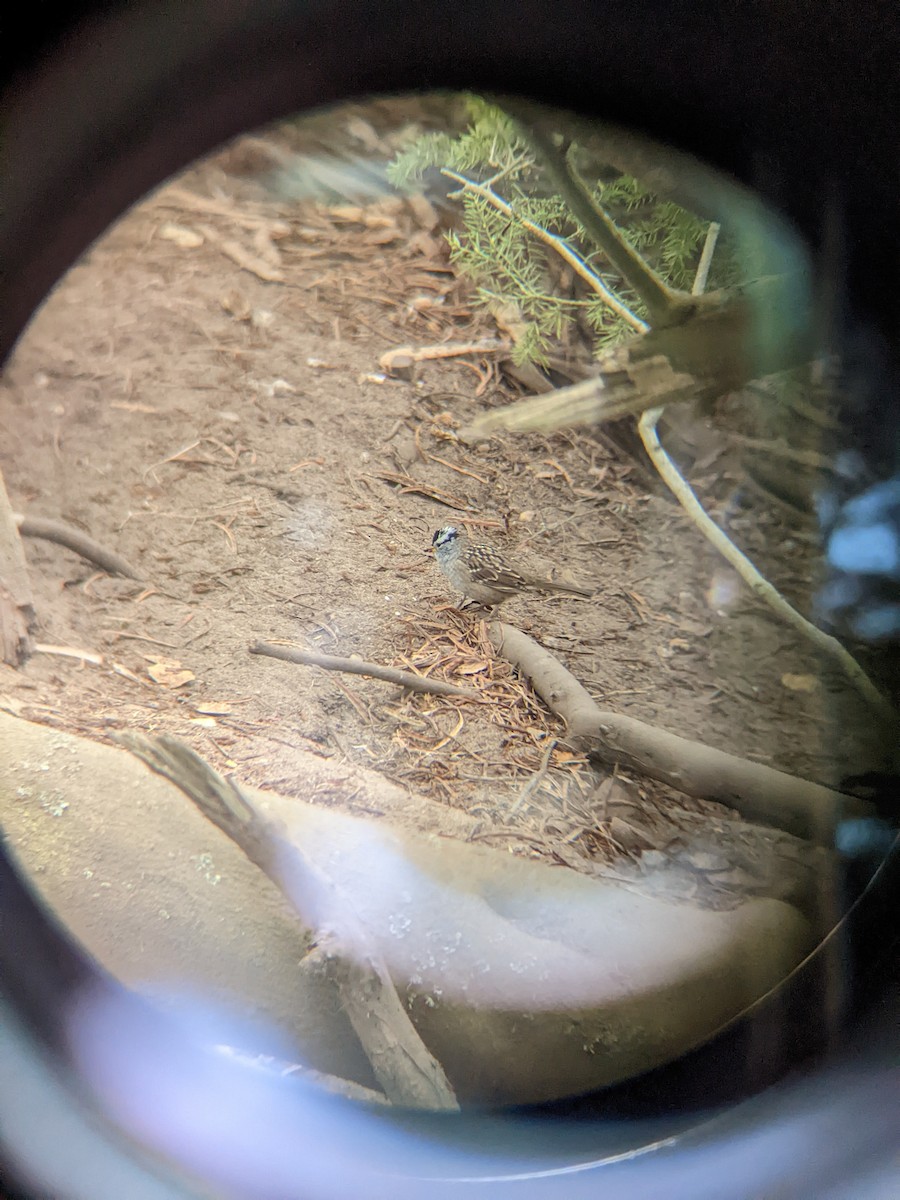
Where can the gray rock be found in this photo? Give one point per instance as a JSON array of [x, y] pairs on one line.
[[527, 982]]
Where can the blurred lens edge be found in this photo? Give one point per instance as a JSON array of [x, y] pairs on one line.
[[805, 115]]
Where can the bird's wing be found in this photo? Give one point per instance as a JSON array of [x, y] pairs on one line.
[[493, 572]]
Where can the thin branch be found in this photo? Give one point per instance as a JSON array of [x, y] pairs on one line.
[[85, 656], [356, 666], [709, 249], [537, 779], [758, 792], [556, 243], [78, 542], [751, 576], [416, 354]]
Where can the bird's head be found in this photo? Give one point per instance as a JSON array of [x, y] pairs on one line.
[[444, 537]]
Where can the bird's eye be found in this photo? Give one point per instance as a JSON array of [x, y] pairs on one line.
[[554, 852]]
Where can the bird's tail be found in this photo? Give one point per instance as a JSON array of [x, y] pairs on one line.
[[571, 588]]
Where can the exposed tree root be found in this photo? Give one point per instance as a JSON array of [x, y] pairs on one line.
[[759, 793], [80, 543]]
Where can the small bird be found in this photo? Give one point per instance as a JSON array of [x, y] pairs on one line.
[[481, 573]]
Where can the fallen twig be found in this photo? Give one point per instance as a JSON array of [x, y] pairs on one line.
[[244, 258], [356, 666], [489, 345], [73, 539], [85, 656], [412, 487], [748, 572], [403, 1066], [428, 457], [176, 197], [709, 249], [758, 792], [535, 781]]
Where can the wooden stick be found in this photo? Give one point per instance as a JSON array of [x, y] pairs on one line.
[[709, 249], [535, 781], [69, 652], [488, 345], [624, 387], [356, 666], [757, 583]]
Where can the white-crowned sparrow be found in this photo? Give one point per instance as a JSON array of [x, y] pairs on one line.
[[481, 573]]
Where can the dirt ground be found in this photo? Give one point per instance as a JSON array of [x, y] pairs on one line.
[[202, 393]]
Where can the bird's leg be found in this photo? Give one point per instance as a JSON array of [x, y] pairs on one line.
[[476, 605]]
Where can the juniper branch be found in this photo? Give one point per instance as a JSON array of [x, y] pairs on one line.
[[555, 242], [664, 304]]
